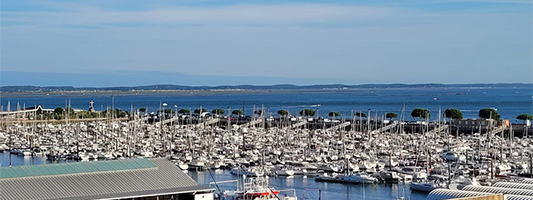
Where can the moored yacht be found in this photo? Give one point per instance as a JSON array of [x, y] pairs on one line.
[[390, 176], [197, 164], [428, 185], [359, 178]]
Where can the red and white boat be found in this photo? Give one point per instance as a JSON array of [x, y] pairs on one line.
[[257, 188]]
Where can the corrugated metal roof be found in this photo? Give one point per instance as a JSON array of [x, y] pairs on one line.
[[439, 194], [518, 197], [74, 168], [497, 190], [513, 185], [528, 181], [164, 178]]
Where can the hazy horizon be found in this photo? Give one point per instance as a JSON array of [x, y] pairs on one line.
[[150, 78]]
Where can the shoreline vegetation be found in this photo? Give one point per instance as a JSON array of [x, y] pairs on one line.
[[54, 90]]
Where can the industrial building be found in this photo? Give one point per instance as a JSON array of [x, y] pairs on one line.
[[138, 178]]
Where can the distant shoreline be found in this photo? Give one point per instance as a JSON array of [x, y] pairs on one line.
[[151, 89], [82, 93]]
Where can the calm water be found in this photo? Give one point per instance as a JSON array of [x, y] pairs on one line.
[[510, 102], [307, 186]]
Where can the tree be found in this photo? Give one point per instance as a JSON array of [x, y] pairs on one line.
[[218, 111], [420, 113], [168, 110], [391, 115], [237, 112], [283, 112], [197, 111], [360, 114], [143, 110], [116, 113], [489, 113], [334, 114], [453, 113], [184, 111], [87, 114], [307, 112], [69, 110], [58, 113], [524, 117], [59, 110], [258, 112], [119, 113]]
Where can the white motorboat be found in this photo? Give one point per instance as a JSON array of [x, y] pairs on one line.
[[197, 164], [461, 181], [299, 171], [26, 153], [359, 178], [284, 172]]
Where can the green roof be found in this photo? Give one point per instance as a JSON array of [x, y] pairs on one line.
[[75, 168]]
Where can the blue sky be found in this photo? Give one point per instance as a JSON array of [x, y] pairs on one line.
[[211, 42]]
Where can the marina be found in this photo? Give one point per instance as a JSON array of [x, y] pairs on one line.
[[266, 100], [356, 157]]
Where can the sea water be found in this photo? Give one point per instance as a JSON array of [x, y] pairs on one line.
[[509, 101]]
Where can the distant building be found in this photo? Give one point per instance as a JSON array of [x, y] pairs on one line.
[[91, 106], [479, 124], [26, 113]]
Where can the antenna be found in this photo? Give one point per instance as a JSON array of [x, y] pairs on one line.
[[215, 181]]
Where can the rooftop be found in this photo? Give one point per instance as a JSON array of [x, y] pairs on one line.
[[126, 178]]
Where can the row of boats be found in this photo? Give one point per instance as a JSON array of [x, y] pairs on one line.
[[369, 154]]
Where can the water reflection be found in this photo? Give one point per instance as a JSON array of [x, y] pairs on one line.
[[18, 160], [306, 186]]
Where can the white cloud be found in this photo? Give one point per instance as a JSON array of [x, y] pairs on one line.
[[283, 13]]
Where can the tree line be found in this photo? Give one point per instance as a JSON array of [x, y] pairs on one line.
[[418, 113], [60, 113]]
